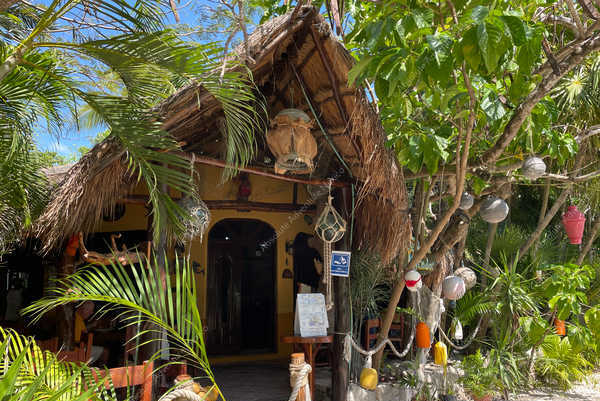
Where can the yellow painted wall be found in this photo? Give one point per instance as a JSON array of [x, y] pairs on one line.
[[286, 225]]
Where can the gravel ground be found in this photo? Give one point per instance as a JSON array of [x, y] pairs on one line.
[[589, 391]]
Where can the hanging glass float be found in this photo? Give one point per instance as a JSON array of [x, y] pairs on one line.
[[440, 354], [458, 329], [468, 276], [453, 287], [368, 375], [197, 217], [291, 142], [493, 209], [574, 222], [533, 168], [560, 327], [413, 281], [423, 337], [466, 201], [330, 227]]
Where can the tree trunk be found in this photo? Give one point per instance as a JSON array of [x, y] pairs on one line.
[[492, 228], [590, 241]]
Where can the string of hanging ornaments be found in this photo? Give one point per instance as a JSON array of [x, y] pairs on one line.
[[330, 227]]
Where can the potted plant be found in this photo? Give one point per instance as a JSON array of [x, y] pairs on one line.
[[479, 379]]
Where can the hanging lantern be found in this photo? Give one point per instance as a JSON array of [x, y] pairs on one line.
[[574, 222], [493, 209], [330, 227], [197, 217], [533, 168], [291, 142], [413, 280], [440, 354], [468, 276], [466, 201], [453, 287], [423, 337], [560, 327]]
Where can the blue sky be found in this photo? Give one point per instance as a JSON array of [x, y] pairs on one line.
[[70, 140]]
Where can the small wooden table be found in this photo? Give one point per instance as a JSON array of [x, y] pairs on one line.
[[307, 347]]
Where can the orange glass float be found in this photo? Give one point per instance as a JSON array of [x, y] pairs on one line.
[[423, 337], [560, 327]]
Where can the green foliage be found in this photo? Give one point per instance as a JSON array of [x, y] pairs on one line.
[[479, 378], [561, 365], [565, 288], [145, 296], [29, 374]]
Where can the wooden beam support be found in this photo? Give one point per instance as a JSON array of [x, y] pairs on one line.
[[237, 205], [219, 163]]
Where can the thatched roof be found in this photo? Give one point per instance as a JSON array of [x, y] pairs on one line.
[[302, 41]]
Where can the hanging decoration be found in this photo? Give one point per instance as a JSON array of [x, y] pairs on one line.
[[368, 375], [533, 168], [413, 280], [494, 209], [574, 222], [440, 354], [423, 336], [466, 201], [468, 276], [197, 217], [330, 227], [453, 287], [458, 330], [291, 142], [560, 327]]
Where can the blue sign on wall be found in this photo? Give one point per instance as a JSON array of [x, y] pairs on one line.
[[340, 263]]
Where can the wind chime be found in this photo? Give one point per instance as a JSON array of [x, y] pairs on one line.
[[330, 227]]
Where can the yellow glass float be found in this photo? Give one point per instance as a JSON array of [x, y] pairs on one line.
[[440, 354], [368, 378]]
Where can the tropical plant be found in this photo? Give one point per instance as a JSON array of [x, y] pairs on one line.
[[479, 379], [560, 364], [566, 286], [29, 374], [146, 296], [47, 77]]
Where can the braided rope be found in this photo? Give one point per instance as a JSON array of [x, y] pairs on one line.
[[301, 376], [472, 337], [181, 394]]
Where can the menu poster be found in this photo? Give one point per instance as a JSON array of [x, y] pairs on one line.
[[311, 316]]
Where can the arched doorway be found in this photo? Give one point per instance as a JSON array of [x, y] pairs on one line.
[[241, 287]]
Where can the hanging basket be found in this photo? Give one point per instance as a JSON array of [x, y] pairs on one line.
[[533, 168], [494, 210], [574, 222], [423, 337], [291, 142]]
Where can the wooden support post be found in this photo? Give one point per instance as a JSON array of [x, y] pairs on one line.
[[341, 376], [296, 363]]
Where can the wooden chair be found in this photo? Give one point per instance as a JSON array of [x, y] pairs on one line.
[[50, 344], [140, 375], [81, 353], [396, 333]]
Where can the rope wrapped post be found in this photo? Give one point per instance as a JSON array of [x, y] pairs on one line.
[[299, 371]]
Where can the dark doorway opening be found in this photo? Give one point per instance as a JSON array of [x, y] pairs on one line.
[[241, 287]]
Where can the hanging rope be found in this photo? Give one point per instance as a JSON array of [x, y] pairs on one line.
[[469, 341]]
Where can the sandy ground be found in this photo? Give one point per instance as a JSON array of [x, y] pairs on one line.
[[589, 391]]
